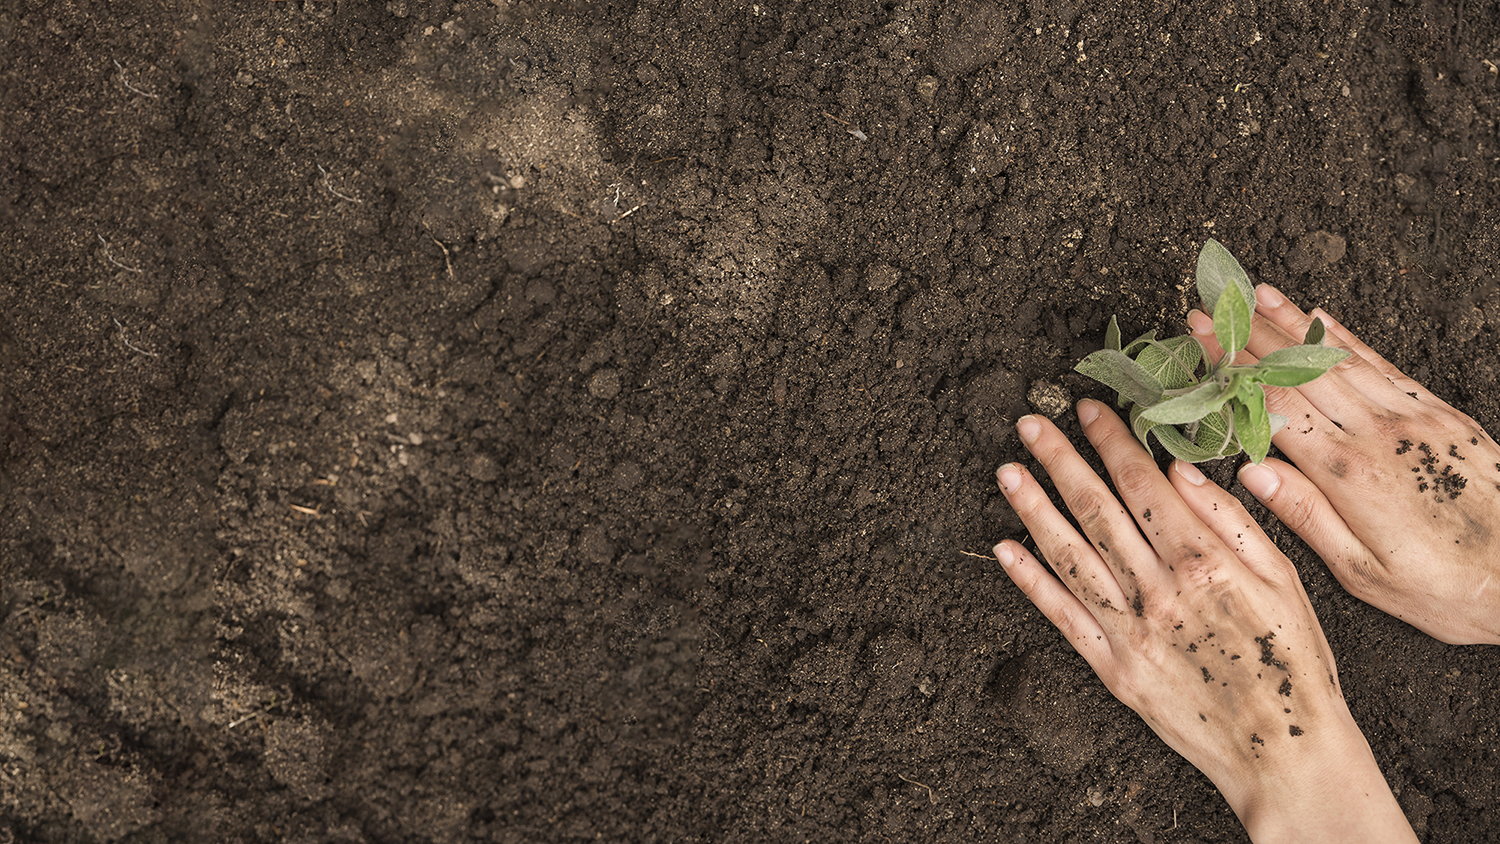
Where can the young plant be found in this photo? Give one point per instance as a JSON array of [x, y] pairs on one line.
[[1221, 411]]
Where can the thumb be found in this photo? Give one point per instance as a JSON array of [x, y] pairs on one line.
[[1301, 506]]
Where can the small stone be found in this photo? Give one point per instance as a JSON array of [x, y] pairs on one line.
[[1314, 251], [605, 384], [927, 88], [1049, 399], [482, 468], [879, 277]]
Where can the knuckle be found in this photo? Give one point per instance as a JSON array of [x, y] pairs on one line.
[[1091, 507], [1298, 513], [1136, 479]]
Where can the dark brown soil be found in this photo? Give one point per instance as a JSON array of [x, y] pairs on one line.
[[511, 421]]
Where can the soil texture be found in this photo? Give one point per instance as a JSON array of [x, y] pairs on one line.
[[521, 421]]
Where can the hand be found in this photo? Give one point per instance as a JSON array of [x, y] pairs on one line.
[[1202, 627], [1397, 492]]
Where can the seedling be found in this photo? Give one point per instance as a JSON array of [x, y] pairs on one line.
[[1222, 411]]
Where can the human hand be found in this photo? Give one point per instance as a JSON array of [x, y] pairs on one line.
[[1397, 491], [1195, 620]]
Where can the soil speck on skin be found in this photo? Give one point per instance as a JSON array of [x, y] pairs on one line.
[[1405, 447], [1147, 514], [1256, 739], [1294, 730], [1267, 653], [1285, 689], [1207, 677], [1137, 605]]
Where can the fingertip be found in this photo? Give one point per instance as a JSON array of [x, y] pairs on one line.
[[1009, 478], [1200, 323], [1267, 296], [1005, 554], [1261, 480], [1190, 473]]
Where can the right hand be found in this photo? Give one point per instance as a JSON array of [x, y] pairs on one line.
[[1397, 491]]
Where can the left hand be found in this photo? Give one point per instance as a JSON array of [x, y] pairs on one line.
[[1195, 620]]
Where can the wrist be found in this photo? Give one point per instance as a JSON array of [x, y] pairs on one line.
[[1326, 789]]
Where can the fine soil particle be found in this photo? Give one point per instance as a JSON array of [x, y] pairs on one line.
[[1294, 730], [532, 421]]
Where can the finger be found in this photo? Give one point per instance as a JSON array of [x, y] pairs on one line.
[[1056, 602], [1398, 378], [1107, 524], [1231, 522], [1301, 506], [1171, 527], [1071, 556], [1355, 375]]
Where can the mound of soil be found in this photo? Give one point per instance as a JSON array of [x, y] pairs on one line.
[[525, 421]]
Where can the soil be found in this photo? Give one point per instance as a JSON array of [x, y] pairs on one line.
[[522, 421]]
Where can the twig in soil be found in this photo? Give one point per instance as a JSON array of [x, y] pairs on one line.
[[306, 511], [129, 345], [327, 183], [110, 258], [980, 556], [131, 87], [447, 259], [931, 798]]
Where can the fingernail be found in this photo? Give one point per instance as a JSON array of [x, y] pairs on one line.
[[1200, 323], [1088, 411], [1269, 297], [1260, 479], [1189, 472], [1006, 556], [1009, 477], [1029, 428]]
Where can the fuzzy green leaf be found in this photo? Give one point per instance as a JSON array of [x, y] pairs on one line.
[[1297, 365], [1123, 375], [1315, 333], [1189, 407], [1140, 341], [1141, 426], [1232, 320], [1171, 361], [1112, 335], [1213, 432], [1277, 422], [1219, 271], [1181, 447], [1253, 425]]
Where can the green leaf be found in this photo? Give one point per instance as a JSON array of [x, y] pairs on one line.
[[1112, 335], [1213, 432], [1140, 341], [1141, 427], [1253, 425], [1189, 407], [1315, 333], [1181, 447], [1232, 320], [1296, 365], [1277, 422], [1172, 361], [1123, 375], [1219, 271]]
